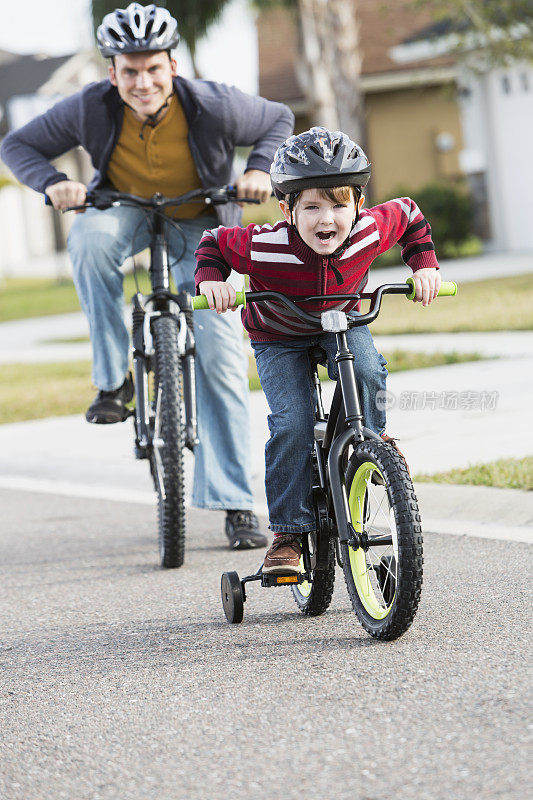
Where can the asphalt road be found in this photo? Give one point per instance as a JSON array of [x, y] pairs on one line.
[[119, 680]]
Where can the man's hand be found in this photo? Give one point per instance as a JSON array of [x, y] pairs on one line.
[[67, 193], [219, 294], [427, 285], [254, 184]]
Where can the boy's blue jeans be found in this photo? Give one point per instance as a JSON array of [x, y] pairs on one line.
[[98, 244], [285, 376]]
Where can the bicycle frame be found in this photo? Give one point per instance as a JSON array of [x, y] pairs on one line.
[[333, 437]]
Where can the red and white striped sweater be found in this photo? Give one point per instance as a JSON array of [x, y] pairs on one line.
[[277, 259]]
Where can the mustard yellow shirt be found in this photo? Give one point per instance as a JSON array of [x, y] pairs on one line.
[[160, 162]]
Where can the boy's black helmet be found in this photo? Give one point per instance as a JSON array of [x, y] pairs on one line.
[[137, 29], [318, 159]]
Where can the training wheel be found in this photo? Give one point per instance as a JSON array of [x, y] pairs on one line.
[[232, 597]]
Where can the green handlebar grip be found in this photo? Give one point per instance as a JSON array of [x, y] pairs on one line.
[[447, 289], [200, 302]]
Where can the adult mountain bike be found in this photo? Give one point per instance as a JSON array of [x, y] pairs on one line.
[[366, 510], [163, 353]]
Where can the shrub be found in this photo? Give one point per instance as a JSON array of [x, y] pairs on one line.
[[449, 211]]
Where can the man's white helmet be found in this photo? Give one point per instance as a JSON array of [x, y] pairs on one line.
[[137, 29]]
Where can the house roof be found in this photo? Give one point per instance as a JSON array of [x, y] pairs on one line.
[[21, 74], [382, 26]]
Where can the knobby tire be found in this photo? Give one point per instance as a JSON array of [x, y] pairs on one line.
[[314, 598], [389, 609], [168, 382]]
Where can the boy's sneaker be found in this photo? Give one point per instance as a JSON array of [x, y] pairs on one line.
[[284, 554], [242, 530], [392, 442], [110, 407]]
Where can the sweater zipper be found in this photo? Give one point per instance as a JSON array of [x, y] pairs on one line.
[[336, 271]]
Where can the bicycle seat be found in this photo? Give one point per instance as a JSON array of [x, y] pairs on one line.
[[317, 355]]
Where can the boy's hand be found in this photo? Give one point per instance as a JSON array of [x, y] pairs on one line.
[[219, 294], [427, 285]]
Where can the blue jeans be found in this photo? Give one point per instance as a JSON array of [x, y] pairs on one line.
[[98, 244], [283, 369]]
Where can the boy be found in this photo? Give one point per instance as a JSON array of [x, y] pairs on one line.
[[325, 245]]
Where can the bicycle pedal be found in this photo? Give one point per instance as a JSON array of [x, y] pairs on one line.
[[269, 579]]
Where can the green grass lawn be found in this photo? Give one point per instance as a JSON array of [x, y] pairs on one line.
[[497, 304], [491, 305], [36, 391], [21, 298], [506, 473]]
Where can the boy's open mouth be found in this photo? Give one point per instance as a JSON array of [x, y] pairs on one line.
[[325, 235]]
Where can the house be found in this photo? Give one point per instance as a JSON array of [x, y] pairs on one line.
[[29, 85], [427, 117]]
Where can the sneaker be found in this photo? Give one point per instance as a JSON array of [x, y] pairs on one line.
[[392, 442], [284, 554], [110, 407], [242, 530]]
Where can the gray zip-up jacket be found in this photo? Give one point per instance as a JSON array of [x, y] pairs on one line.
[[220, 118]]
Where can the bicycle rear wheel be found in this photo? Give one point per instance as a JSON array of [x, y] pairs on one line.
[[384, 577], [314, 597], [166, 459]]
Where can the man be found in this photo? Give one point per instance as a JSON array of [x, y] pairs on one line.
[[148, 130]]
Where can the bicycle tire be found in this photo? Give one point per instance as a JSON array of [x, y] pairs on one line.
[[168, 442], [314, 598], [384, 582]]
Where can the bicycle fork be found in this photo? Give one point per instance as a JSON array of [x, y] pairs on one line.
[[143, 350], [352, 435]]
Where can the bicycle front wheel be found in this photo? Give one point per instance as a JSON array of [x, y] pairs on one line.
[[384, 576], [167, 446]]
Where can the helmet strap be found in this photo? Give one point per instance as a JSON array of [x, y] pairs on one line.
[[151, 119], [292, 202], [357, 196]]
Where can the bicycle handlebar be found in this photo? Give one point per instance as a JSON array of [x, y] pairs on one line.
[[447, 289], [215, 196]]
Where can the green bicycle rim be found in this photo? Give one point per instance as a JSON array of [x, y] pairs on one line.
[[305, 587], [360, 572]]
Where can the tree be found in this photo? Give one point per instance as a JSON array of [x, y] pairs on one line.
[[194, 18], [329, 61], [502, 30]]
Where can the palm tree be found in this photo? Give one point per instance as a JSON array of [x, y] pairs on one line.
[[329, 60], [502, 30], [194, 18]]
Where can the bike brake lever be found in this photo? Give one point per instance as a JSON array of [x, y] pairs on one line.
[[228, 195], [75, 208]]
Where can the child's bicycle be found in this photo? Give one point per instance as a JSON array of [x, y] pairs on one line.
[[366, 510]]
